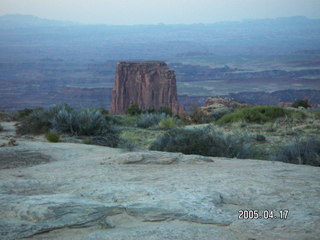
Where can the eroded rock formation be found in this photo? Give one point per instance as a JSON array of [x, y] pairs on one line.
[[151, 85], [218, 103]]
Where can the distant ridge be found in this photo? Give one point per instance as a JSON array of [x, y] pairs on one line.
[[22, 21]]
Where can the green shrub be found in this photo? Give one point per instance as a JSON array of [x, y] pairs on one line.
[[301, 103], [133, 110], [64, 119], [20, 114], [90, 122], [52, 137], [103, 111], [169, 122], [6, 116], [36, 123], [148, 120], [300, 152], [127, 144], [317, 115], [87, 140], [217, 114], [206, 141], [258, 114], [260, 138], [196, 115], [109, 140], [128, 121], [165, 110]]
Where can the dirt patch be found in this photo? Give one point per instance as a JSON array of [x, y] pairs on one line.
[[22, 159]]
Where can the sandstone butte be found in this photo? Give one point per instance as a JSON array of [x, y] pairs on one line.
[[149, 84]]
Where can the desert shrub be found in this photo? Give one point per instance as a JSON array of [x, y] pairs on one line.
[[217, 114], [127, 144], [133, 110], [317, 115], [103, 111], [65, 119], [169, 122], [196, 115], [260, 138], [90, 122], [257, 114], [128, 121], [148, 120], [6, 116], [206, 141], [109, 140], [87, 140], [301, 103], [300, 151], [20, 114], [52, 137], [35, 123], [165, 110]]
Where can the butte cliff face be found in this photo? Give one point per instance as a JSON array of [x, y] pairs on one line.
[[151, 85]]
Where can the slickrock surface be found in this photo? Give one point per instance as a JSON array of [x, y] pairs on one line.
[[148, 84], [93, 192]]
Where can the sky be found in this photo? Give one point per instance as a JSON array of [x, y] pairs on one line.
[[129, 12]]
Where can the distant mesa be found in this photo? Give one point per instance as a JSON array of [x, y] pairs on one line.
[[149, 84]]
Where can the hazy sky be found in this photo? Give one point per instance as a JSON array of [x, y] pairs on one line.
[[160, 11]]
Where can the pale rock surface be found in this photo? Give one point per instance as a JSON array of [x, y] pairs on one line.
[[92, 192]]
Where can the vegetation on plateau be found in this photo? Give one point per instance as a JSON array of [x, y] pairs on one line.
[[260, 132], [257, 114], [64, 119]]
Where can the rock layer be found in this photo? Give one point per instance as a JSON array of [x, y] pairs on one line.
[[150, 85]]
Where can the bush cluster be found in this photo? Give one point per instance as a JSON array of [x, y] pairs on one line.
[[6, 116], [257, 114], [300, 151], [217, 114], [52, 137], [135, 110], [147, 120], [65, 119], [206, 141], [169, 123], [20, 114], [301, 103]]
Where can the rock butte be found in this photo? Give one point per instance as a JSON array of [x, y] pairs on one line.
[[149, 84]]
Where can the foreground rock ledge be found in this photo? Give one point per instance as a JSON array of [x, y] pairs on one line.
[[92, 192]]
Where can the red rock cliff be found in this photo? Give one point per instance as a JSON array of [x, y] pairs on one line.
[[148, 84]]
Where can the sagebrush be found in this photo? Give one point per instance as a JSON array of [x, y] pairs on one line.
[[300, 151], [257, 114], [65, 119], [148, 120], [207, 141], [52, 137]]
